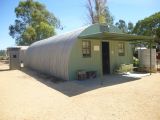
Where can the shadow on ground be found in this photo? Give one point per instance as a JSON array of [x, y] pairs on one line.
[[72, 88]]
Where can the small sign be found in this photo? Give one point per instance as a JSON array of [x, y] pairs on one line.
[[96, 48], [112, 52]]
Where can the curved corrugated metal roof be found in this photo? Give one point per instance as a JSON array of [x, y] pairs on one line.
[[51, 55]]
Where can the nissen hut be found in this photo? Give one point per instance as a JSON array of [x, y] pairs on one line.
[[98, 49]]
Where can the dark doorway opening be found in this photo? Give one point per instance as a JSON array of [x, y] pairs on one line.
[[105, 58]]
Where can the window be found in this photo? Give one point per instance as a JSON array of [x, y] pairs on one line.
[[86, 48], [14, 56], [121, 49]]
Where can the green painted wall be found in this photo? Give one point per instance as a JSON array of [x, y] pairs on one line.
[[77, 62], [115, 59]]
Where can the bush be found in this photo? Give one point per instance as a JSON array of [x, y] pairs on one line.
[[135, 62]]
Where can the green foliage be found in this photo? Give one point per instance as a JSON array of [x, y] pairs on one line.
[[158, 32], [98, 12], [121, 24], [135, 62], [149, 26], [45, 30], [123, 68], [130, 27], [29, 35], [33, 22], [109, 18], [2, 52]]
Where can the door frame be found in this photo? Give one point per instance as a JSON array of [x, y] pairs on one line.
[[108, 70]]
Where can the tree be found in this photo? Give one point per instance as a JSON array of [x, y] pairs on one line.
[[2, 52], [109, 18], [33, 22], [130, 27], [126, 28], [158, 32], [121, 24], [149, 26], [98, 12]]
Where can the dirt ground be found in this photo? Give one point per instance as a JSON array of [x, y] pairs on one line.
[[27, 95]]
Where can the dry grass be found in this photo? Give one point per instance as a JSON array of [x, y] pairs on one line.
[[26, 96]]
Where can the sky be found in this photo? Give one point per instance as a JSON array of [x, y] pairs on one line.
[[73, 14]]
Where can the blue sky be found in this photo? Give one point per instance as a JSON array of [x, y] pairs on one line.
[[72, 13]]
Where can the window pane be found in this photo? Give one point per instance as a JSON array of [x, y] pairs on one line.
[[121, 49], [86, 50], [84, 43], [14, 56]]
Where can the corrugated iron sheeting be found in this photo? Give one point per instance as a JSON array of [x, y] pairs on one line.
[[51, 55]]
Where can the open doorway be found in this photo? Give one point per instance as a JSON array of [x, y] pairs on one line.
[[105, 58]]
